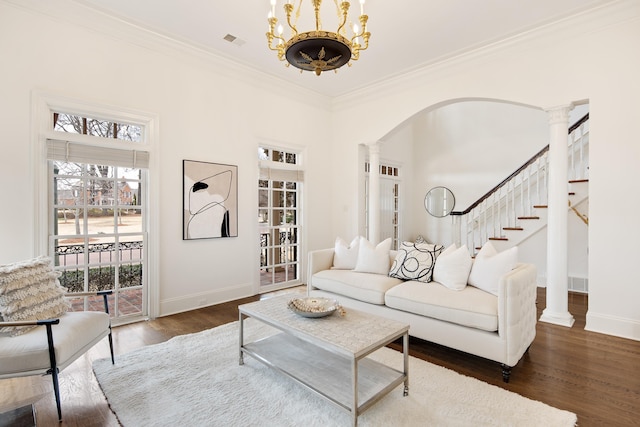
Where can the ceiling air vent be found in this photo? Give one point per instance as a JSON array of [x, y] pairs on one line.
[[234, 40]]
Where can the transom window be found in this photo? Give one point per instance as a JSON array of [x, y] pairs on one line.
[[71, 123]]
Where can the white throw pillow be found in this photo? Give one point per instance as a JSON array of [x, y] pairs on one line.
[[415, 261], [489, 266], [373, 259], [453, 267], [345, 255], [30, 290]]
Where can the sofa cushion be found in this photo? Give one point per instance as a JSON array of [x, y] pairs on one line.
[[468, 307], [345, 254], [69, 338], [365, 287], [415, 261]]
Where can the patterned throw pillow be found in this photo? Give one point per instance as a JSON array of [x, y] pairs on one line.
[[30, 290], [415, 261]]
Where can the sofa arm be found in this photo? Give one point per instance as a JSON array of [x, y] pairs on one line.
[[517, 314], [321, 259]]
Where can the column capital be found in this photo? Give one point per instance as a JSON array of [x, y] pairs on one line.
[[374, 147], [559, 113]]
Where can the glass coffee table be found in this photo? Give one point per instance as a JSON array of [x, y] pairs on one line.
[[327, 355]]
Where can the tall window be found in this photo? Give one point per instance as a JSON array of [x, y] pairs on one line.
[[97, 227], [279, 227], [389, 203]]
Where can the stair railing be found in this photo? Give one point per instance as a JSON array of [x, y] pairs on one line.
[[516, 198]]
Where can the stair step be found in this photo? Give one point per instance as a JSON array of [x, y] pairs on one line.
[[528, 217], [575, 181], [513, 228], [540, 206], [503, 239]]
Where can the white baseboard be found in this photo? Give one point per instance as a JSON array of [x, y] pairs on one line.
[[204, 299], [613, 325], [579, 284], [574, 284]]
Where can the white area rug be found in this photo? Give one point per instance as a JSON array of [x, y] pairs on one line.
[[195, 380]]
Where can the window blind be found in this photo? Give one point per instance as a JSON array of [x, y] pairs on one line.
[[281, 174], [75, 152]]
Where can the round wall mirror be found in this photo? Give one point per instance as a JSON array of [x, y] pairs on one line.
[[439, 202]]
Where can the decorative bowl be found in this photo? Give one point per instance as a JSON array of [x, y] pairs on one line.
[[313, 306]]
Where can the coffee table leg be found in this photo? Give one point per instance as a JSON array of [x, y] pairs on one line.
[[405, 348], [354, 383], [241, 355]]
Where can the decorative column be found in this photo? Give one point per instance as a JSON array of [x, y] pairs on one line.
[[374, 193], [557, 310]]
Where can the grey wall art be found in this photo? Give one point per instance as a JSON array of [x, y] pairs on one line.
[[210, 200]]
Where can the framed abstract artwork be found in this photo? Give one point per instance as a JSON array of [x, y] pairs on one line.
[[210, 200]]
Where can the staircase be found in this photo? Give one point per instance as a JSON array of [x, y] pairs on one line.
[[516, 209]]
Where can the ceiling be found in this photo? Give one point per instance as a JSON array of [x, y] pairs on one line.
[[405, 34]]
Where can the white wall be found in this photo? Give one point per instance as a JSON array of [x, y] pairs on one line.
[[204, 113], [590, 57], [211, 110]]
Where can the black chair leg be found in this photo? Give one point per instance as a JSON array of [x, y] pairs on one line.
[[54, 369], [113, 362], [56, 391], [106, 310]]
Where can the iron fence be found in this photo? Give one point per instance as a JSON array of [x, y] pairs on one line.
[[101, 277]]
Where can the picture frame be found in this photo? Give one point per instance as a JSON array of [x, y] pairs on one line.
[[210, 200]]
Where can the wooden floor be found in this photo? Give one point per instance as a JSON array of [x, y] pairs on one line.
[[594, 375]]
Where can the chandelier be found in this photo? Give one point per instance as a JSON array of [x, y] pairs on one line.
[[318, 50]]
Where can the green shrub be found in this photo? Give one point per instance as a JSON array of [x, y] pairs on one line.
[[102, 278]]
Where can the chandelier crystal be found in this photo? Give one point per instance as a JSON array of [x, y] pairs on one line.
[[318, 50]]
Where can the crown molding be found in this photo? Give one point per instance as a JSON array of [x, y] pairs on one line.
[[574, 26], [78, 13]]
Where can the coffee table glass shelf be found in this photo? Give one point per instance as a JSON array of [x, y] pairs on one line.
[[328, 355]]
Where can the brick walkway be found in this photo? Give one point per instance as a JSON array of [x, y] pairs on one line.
[[129, 302]]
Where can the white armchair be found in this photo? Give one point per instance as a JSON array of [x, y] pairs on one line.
[[54, 345], [38, 336]]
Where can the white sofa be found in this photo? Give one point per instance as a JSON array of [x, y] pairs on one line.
[[500, 328]]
